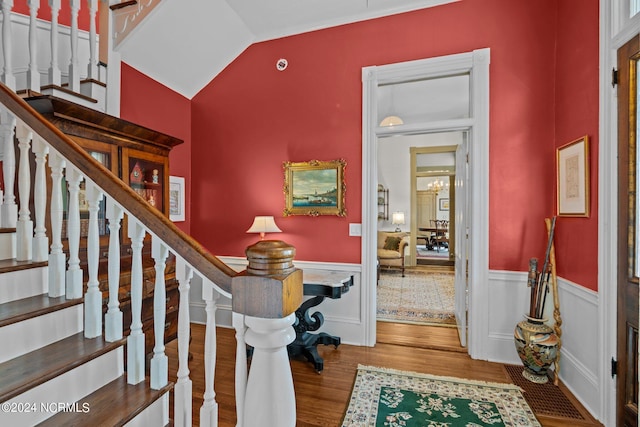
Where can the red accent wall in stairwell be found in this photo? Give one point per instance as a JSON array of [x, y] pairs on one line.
[[148, 103], [64, 16], [577, 103]]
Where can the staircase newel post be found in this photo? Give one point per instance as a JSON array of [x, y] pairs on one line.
[[74, 66], [92, 68], [135, 340], [40, 240], [55, 76], [33, 75], [93, 296], [57, 258], [267, 293], [9, 212], [74, 277], [159, 361], [113, 318], [209, 408], [24, 227], [8, 78], [183, 390]]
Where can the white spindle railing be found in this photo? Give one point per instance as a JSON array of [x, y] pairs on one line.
[[8, 77], [264, 394], [33, 75]]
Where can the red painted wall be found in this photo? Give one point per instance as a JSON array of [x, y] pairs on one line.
[[148, 103], [577, 102], [251, 118], [64, 16]]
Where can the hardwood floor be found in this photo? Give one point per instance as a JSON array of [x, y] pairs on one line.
[[322, 398]]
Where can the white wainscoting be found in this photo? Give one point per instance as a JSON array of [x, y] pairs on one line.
[[508, 302], [342, 317]]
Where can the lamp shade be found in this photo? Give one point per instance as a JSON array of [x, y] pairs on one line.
[[397, 218], [391, 121], [262, 225]]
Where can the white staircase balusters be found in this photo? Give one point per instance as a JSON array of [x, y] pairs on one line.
[[92, 68], [270, 373], [74, 272], [113, 318], [8, 78], [241, 366], [33, 75], [74, 65], [55, 77], [159, 361], [57, 258], [135, 340], [183, 390], [40, 240], [209, 408], [9, 213], [24, 227], [93, 296]]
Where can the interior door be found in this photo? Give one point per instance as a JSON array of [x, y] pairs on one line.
[[460, 247], [628, 268]]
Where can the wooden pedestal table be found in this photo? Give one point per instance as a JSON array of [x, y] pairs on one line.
[[320, 284]]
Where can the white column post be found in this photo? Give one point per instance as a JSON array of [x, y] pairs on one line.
[[183, 390], [159, 361], [24, 227], [135, 340], [74, 272], [74, 66], [241, 366], [9, 213], [57, 257], [54, 69], [92, 68], [8, 78], [113, 319], [209, 408], [270, 373], [93, 296], [40, 240], [33, 75]]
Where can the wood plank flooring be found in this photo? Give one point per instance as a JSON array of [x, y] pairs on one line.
[[322, 398]]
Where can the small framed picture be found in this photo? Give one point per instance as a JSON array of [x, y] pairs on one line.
[[314, 188], [176, 199], [444, 204], [573, 178]]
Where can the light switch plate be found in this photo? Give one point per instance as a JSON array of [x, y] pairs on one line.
[[355, 229]]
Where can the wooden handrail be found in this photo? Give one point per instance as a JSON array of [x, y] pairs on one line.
[[184, 245]]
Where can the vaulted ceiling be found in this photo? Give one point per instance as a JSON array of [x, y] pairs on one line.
[[184, 45]]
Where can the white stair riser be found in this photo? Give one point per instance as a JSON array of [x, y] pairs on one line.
[[43, 330], [156, 414], [7, 245], [65, 389], [20, 284]]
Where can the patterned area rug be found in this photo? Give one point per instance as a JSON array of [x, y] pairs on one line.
[[385, 397], [418, 297]]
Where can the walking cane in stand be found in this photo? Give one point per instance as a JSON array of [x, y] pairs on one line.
[[557, 326]]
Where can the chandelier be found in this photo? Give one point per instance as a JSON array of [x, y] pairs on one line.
[[436, 185]]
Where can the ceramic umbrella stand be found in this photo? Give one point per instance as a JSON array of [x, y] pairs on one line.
[[537, 347]]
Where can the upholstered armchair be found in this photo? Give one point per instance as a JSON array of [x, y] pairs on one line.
[[391, 247]]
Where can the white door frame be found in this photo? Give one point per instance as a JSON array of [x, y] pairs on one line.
[[475, 63]]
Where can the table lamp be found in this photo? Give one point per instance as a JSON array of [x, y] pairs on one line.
[[397, 218], [262, 225]]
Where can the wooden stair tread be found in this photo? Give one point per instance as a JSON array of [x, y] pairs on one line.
[[7, 265], [37, 367], [115, 404], [27, 308]]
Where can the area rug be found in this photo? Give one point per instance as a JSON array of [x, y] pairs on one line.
[[416, 298], [389, 398]]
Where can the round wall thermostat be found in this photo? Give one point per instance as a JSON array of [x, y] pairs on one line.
[[282, 64]]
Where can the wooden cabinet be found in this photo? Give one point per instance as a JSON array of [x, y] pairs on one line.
[[140, 157]]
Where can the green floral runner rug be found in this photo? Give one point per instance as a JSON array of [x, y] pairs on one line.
[[386, 397]]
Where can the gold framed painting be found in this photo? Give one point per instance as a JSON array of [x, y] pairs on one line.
[[572, 167], [314, 188]]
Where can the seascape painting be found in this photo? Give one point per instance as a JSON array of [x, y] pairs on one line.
[[314, 188]]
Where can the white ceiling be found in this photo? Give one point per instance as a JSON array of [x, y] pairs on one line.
[[184, 45]]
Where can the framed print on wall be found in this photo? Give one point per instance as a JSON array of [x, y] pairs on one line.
[[573, 178], [444, 204], [176, 198], [314, 188]]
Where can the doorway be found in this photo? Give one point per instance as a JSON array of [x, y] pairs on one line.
[[474, 67]]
